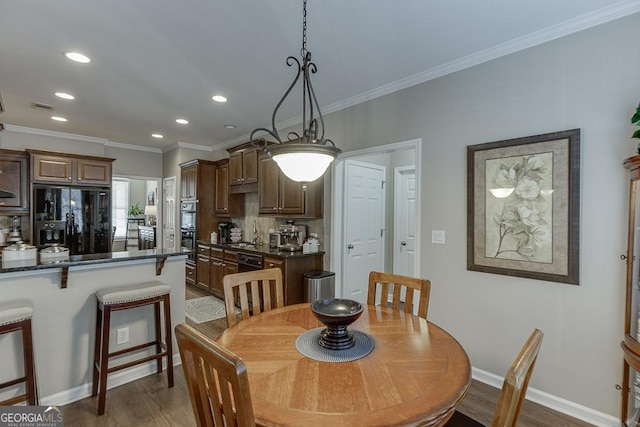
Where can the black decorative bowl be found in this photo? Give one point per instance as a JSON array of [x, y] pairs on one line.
[[337, 314]]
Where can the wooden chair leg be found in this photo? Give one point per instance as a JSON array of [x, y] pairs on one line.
[[104, 359], [96, 351], [168, 338], [30, 377], [156, 309]]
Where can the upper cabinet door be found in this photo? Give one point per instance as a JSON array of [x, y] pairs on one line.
[[48, 168], [250, 166], [188, 182], [235, 168], [221, 200], [93, 172], [14, 178], [268, 188]]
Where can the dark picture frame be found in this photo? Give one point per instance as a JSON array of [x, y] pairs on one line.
[[523, 207]]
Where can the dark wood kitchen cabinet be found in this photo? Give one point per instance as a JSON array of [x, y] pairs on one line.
[[293, 269], [203, 267], [226, 204], [281, 196], [217, 272], [190, 274], [196, 184], [14, 178], [188, 182], [243, 169], [69, 169]]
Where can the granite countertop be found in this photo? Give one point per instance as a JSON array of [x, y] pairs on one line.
[[74, 260], [261, 249]]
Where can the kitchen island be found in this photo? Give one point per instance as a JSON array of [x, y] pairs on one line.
[[63, 298]]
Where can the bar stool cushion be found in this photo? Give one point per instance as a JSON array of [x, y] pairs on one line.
[[124, 294], [15, 311]]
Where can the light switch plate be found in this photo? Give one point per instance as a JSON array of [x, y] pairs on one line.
[[437, 236]]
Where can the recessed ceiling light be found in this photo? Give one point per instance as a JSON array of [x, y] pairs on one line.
[[182, 121], [78, 57], [64, 95], [229, 126], [59, 119], [157, 135], [219, 98]]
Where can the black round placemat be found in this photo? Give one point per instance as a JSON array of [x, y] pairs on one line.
[[307, 345]]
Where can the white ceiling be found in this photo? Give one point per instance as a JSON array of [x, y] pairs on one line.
[[157, 60]]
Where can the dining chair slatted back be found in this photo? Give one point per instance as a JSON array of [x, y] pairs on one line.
[[217, 380], [238, 287], [399, 282], [514, 388]]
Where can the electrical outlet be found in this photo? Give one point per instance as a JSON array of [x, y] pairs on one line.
[[122, 335]]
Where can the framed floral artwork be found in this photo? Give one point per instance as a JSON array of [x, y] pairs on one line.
[[523, 207]]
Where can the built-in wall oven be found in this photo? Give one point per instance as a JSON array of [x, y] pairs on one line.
[[188, 230]]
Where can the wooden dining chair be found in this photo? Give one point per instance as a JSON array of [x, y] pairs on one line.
[[217, 380], [399, 282], [514, 388], [255, 291]]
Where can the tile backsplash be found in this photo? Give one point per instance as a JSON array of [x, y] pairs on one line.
[[264, 224]]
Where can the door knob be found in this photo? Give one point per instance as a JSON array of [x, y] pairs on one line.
[[403, 243], [349, 246]]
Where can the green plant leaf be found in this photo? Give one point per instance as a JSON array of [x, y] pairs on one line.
[[636, 117], [636, 134]]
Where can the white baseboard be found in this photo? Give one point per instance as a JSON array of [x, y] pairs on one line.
[[115, 380], [556, 403]]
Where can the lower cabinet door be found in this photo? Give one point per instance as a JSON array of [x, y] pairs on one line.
[[217, 273], [202, 279]]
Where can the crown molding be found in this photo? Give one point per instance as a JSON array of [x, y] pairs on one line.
[[189, 145], [85, 138], [133, 147], [35, 131]]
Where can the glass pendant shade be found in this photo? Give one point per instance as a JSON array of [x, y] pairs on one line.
[[303, 162]]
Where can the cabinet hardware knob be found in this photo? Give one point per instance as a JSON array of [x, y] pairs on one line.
[[270, 264], [403, 243], [1, 203], [349, 246], [79, 179], [69, 178], [623, 257]]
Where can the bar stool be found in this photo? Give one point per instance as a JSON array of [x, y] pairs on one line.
[[16, 316], [124, 298]]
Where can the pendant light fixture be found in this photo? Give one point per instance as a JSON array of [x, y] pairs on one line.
[[302, 157]]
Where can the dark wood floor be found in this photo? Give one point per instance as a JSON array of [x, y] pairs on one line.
[[148, 402]]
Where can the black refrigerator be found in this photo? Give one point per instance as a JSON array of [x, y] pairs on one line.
[[78, 218]]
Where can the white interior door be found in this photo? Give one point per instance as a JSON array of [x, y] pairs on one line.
[[363, 226], [169, 209], [404, 233]]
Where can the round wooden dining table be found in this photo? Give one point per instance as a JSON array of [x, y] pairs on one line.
[[416, 374]]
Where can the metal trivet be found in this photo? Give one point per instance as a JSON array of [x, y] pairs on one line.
[[307, 345]]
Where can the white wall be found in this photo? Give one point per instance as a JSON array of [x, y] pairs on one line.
[[588, 80]]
